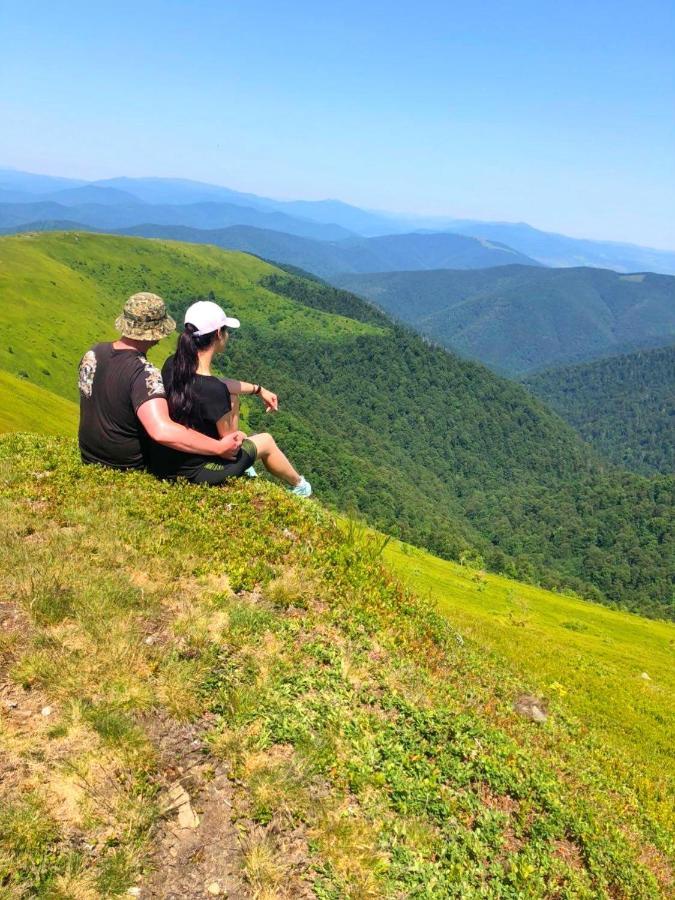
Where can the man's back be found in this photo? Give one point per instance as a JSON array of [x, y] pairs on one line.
[[113, 385]]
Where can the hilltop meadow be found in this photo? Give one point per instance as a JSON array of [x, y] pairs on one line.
[[229, 693], [611, 671]]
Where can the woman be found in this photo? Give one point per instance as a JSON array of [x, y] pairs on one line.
[[211, 405]]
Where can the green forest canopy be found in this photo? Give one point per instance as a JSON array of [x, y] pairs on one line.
[[624, 406]]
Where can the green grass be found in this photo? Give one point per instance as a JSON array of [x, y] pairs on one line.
[[26, 406], [360, 731], [587, 660]]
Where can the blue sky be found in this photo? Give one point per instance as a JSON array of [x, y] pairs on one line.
[[559, 114]]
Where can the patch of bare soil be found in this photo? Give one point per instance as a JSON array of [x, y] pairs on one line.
[[197, 850], [569, 853], [512, 842], [499, 802], [12, 619], [659, 865]]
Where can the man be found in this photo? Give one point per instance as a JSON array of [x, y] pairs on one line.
[[122, 400]]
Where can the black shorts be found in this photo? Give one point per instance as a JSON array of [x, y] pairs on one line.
[[218, 471]]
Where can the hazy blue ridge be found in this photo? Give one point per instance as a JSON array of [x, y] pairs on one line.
[[319, 257], [556, 250], [210, 214], [547, 248]]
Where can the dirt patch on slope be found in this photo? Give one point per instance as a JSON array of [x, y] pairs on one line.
[[197, 850]]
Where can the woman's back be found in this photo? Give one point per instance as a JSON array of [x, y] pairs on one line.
[[212, 399], [211, 402]]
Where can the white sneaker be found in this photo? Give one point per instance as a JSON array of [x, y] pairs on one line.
[[303, 488], [251, 472]]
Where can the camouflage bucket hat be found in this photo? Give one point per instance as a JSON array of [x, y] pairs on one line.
[[145, 318]]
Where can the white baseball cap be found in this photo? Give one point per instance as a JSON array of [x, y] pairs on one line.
[[207, 316]]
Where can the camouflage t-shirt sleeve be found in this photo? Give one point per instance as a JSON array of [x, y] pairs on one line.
[[86, 373], [146, 384]]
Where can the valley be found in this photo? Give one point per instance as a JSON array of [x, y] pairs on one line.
[[430, 448]]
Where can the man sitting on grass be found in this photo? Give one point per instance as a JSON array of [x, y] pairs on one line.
[[123, 405]]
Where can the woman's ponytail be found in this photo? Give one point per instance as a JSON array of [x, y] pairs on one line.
[[180, 390]]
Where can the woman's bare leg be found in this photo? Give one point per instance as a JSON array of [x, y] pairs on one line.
[[273, 459]]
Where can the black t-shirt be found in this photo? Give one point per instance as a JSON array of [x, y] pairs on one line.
[[113, 385], [212, 403]]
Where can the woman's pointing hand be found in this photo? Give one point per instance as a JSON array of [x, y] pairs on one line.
[[270, 400]]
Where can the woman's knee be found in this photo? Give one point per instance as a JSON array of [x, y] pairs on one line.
[[264, 442]]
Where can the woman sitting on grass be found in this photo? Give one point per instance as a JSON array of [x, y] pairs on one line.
[[210, 405]]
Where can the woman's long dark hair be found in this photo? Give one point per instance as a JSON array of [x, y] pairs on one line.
[[180, 390]]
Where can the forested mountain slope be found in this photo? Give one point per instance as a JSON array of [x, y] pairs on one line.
[[427, 446], [518, 319], [624, 406]]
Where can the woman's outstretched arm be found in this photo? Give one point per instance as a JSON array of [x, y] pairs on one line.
[[269, 398]]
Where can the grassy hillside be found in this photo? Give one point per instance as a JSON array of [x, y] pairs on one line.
[[27, 406], [624, 406], [596, 671], [517, 319], [430, 448], [197, 696], [62, 292]]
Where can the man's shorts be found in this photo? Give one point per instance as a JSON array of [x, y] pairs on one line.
[[219, 470]]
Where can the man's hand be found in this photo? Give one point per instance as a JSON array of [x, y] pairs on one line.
[[269, 399], [231, 444]]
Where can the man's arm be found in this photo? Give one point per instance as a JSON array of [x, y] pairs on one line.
[[154, 417]]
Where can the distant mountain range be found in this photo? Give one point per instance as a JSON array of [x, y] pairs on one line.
[[357, 254], [118, 203], [322, 258], [518, 319], [561, 251], [624, 406], [119, 214]]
